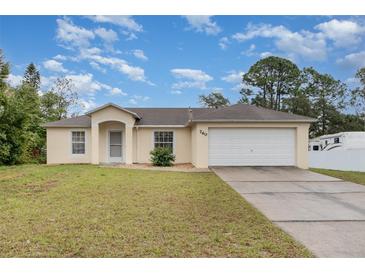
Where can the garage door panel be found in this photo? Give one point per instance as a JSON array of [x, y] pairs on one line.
[[251, 146]]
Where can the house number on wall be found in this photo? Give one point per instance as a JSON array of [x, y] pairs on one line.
[[202, 132]]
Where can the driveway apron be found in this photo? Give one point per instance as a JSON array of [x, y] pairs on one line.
[[326, 214]]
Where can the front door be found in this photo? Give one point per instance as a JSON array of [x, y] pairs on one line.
[[115, 146]]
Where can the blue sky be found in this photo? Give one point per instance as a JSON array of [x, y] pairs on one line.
[[167, 61]]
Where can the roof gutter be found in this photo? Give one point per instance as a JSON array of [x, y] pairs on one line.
[[64, 126]]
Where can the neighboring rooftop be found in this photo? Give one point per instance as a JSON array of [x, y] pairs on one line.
[[184, 116]]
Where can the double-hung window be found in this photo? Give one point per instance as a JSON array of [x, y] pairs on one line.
[[78, 142], [164, 139]]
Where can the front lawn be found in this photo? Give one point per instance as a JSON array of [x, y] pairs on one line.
[[91, 211], [351, 176]]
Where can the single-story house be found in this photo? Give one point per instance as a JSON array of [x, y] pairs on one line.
[[237, 135]]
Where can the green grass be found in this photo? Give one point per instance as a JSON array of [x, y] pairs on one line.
[[91, 211], [352, 176]]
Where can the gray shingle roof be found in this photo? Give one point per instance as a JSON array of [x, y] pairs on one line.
[[181, 116], [79, 121], [245, 112]]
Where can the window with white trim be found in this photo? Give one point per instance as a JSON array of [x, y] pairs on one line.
[[164, 139], [78, 142]]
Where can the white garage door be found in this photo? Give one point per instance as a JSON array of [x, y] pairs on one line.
[[251, 147]]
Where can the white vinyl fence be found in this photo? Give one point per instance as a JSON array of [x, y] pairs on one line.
[[348, 160]]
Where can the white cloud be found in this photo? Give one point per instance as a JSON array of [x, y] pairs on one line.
[[352, 81], [189, 84], [87, 104], [117, 91], [304, 43], [119, 20], [96, 66], [73, 35], [137, 99], [130, 35], [132, 72], [356, 60], [79, 38], [233, 77], [46, 82], [203, 23], [14, 80], [60, 57], [191, 74], [54, 65], [141, 98], [132, 101], [223, 42], [84, 53], [265, 54], [138, 53], [176, 92], [85, 83], [190, 78], [250, 51], [109, 36], [343, 33]]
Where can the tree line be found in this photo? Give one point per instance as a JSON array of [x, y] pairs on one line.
[[23, 110], [277, 83]]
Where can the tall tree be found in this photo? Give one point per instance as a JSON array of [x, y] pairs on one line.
[[4, 70], [269, 81], [358, 95], [12, 119], [214, 100], [32, 77], [327, 97], [59, 101]]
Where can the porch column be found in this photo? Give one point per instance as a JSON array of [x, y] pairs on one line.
[[95, 144], [128, 144]]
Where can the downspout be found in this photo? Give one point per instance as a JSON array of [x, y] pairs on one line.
[[137, 144], [190, 115]]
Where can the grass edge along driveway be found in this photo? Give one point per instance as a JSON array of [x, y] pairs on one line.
[[92, 211], [351, 176]]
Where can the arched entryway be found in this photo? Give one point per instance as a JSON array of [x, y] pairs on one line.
[[112, 147]]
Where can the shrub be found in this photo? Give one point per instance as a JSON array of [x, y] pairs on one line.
[[162, 156]]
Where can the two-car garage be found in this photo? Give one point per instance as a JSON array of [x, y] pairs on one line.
[[252, 147]]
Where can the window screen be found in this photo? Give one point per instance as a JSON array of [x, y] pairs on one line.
[[164, 139], [78, 142]]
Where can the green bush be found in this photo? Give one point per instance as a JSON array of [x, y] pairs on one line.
[[162, 156]]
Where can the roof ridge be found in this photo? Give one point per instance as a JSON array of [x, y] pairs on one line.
[[273, 110], [215, 110]]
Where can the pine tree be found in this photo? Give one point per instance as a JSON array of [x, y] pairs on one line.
[[32, 77]]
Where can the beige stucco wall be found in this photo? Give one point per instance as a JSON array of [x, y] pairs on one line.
[[200, 141], [193, 144], [98, 145], [59, 146], [189, 144], [143, 143]]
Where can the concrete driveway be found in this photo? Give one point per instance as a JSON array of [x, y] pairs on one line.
[[326, 214]]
